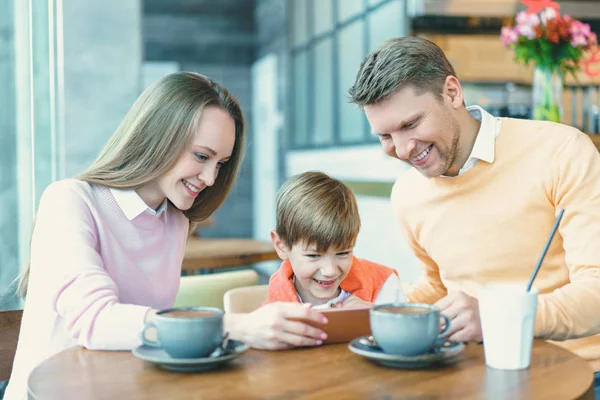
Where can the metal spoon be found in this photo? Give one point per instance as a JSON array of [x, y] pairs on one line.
[[222, 350], [369, 341]]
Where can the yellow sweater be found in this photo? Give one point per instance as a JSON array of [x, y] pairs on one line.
[[490, 224]]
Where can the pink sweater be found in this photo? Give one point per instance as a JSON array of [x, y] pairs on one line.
[[100, 258]]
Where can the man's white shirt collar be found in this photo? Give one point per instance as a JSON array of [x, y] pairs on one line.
[[484, 148], [133, 205]]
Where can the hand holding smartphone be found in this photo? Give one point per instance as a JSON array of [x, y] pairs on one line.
[[344, 324]]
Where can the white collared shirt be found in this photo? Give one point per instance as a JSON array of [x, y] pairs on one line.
[[133, 205], [484, 146]]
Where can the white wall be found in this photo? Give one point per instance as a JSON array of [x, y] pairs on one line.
[[380, 239], [266, 125]]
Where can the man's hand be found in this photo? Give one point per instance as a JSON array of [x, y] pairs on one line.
[[275, 326], [463, 311], [354, 302]]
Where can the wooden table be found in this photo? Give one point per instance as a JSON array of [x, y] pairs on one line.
[[201, 253], [327, 372]]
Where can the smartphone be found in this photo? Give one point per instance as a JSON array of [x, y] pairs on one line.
[[345, 324]]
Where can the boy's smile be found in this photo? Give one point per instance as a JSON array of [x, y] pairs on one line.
[[318, 274], [325, 283], [319, 290]]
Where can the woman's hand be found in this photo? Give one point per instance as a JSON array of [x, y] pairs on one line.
[[354, 302], [276, 326], [150, 334]]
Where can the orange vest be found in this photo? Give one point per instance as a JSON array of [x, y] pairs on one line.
[[364, 281]]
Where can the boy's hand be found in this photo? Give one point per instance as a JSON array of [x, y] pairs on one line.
[[275, 326], [354, 302]]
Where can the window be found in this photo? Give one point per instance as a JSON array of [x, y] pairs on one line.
[[31, 121], [350, 52], [323, 103], [300, 99], [323, 16], [300, 32], [384, 25], [349, 8], [329, 40]]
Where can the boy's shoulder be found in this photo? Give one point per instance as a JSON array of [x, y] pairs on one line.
[[281, 286]]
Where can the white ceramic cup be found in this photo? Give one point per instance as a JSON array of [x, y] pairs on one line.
[[507, 315]]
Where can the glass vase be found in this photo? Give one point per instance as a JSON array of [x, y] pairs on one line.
[[547, 95]]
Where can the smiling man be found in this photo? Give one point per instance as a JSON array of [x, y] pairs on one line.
[[483, 195]]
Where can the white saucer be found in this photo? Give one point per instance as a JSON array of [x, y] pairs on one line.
[[444, 351], [160, 357]]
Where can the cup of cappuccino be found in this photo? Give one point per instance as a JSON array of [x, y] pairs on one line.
[[190, 332], [407, 329]]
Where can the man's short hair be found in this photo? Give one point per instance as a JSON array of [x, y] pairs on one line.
[[406, 61]]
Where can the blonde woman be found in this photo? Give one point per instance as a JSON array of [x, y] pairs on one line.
[[107, 247]]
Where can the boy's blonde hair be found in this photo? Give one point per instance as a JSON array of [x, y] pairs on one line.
[[155, 132], [317, 209]]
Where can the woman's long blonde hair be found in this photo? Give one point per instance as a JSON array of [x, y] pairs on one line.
[[158, 128]]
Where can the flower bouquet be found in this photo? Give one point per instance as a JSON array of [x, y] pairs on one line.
[[556, 44]]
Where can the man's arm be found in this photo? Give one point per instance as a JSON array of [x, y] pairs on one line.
[[573, 310], [429, 287]]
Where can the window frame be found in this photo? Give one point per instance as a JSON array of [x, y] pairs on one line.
[[309, 47]]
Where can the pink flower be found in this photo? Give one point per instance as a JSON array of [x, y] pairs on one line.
[[579, 40], [585, 28], [579, 28], [526, 30], [548, 14], [508, 35], [550, 33], [524, 18]]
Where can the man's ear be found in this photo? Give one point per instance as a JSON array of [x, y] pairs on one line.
[[453, 91], [280, 247]]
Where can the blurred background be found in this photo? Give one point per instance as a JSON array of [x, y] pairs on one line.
[[70, 70]]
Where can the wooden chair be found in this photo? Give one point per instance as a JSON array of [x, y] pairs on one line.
[[209, 290], [245, 299], [10, 324]]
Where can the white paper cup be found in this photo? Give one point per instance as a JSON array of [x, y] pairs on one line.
[[507, 315]]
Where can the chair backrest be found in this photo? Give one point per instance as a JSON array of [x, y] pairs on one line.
[[209, 290], [10, 324], [245, 299]]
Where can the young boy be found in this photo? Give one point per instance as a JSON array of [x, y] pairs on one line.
[[317, 226]]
